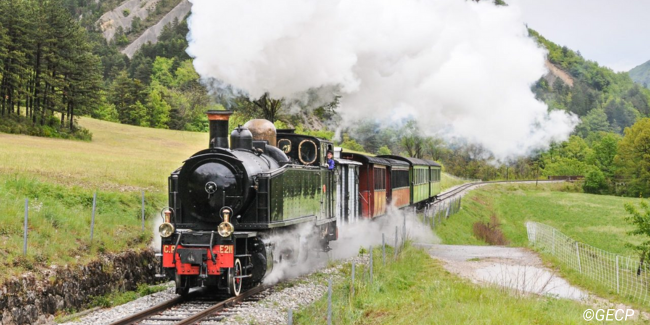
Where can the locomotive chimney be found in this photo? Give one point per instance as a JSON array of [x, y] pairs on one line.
[[219, 128]]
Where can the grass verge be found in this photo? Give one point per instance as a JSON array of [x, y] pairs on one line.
[[59, 222], [59, 178], [597, 220], [120, 298], [448, 181], [415, 289]]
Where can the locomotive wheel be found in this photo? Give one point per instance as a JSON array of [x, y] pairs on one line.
[[233, 282]]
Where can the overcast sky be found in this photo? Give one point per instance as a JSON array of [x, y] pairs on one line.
[[615, 34]]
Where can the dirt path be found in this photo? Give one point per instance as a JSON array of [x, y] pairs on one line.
[[513, 268], [519, 270]]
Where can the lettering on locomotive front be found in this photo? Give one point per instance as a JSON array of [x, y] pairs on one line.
[[225, 249], [169, 249]]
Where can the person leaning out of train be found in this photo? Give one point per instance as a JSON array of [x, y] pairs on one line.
[[330, 161]]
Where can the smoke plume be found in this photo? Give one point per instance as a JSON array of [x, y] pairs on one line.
[[457, 67]]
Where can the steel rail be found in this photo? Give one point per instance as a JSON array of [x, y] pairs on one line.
[[222, 305], [151, 311], [461, 188], [135, 318]]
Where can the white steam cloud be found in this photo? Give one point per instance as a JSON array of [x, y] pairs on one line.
[[360, 234], [458, 67]]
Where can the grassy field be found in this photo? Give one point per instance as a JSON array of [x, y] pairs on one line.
[[120, 157], [416, 289], [59, 178], [596, 220], [448, 181]]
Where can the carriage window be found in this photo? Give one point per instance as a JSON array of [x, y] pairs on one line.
[[380, 178], [399, 178], [307, 152]]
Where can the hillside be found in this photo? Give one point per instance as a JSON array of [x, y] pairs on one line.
[[123, 15], [593, 90], [132, 19], [120, 157], [152, 33], [641, 74]]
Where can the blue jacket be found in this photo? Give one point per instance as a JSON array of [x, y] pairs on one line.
[[330, 164]]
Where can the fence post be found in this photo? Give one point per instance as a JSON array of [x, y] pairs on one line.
[[92, 220], [142, 210], [617, 281], [434, 214], [329, 302], [352, 278], [290, 317], [371, 264], [25, 232], [447, 213], [404, 229], [395, 248], [578, 254], [383, 249], [553, 241], [424, 215]]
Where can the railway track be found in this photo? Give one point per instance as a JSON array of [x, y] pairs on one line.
[[191, 309], [194, 309], [461, 188]]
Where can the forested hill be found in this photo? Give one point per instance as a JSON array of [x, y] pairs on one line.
[[604, 100], [641, 74]]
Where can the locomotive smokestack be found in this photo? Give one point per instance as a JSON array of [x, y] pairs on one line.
[[219, 128]]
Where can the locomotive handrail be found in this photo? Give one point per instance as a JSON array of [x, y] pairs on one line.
[[284, 168]]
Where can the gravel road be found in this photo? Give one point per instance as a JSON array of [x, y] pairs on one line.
[[514, 268]]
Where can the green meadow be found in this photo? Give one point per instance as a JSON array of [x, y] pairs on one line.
[[59, 178], [597, 220]]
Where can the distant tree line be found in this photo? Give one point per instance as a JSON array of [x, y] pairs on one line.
[[158, 87], [48, 72]]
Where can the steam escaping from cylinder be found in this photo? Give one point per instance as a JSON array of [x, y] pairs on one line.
[[352, 237], [460, 68]]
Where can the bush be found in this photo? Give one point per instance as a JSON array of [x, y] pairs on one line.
[[490, 232], [594, 182], [126, 12], [52, 128]]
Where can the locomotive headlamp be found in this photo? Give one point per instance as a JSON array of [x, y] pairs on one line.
[[226, 228], [166, 229]]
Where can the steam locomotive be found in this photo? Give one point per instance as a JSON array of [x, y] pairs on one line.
[[229, 204]]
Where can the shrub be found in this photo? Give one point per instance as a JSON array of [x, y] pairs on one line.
[[594, 182], [490, 232]]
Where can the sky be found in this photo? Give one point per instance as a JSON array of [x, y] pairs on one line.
[[615, 34]]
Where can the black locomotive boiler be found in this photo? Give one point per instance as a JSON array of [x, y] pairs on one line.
[[228, 204]]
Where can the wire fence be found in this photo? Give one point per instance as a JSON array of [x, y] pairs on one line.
[[92, 222], [627, 276], [434, 214]]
